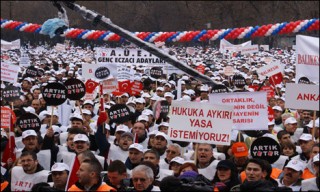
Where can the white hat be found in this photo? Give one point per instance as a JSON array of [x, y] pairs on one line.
[[310, 124], [88, 102], [160, 88], [147, 112], [278, 108], [155, 97], [290, 120], [76, 116], [80, 137], [29, 109], [271, 122], [131, 101], [204, 88], [143, 118], [86, 111], [136, 146], [296, 165], [283, 89], [60, 167], [154, 132], [165, 124], [162, 134], [183, 82], [122, 127], [140, 100], [147, 95], [28, 133], [167, 84], [178, 160], [172, 82], [169, 94], [256, 81], [315, 158], [185, 98], [306, 137]]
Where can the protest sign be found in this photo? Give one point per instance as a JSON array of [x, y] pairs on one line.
[[90, 96], [6, 115], [29, 121], [75, 89], [191, 50], [91, 86], [31, 71], [54, 94], [124, 86], [250, 108], [136, 88], [9, 72], [124, 72], [24, 61], [201, 68], [304, 80], [265, 148], [194, 122], [160, 110], [239, 81], [119, 113], [248, 49], [11, 93], [302, 96], [224, 45], [307, 58], [98, 71], [156, 72], [109, 85], [228, 70], [219, 88], [264, 47], [60, 47]]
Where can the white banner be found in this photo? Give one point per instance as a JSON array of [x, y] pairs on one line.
[[9, 72], [99, 72], [60, 47], [248, 49], [270, 69], [191, 50], [307, 58], [302, 96], [24, 60], [109, 85], [226, 45], [250, 108], [195, 122], [264, 47], [124, 72], [5, 45]]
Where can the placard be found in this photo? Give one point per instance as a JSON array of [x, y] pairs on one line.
[[219, 88], [194, 122], [302, 96], [119, 113], [29, 121], [269, 70], [98, 71], [156, 72], [228, 71], [75, 89], [54, 94], [265, 148], [31, 71], [250, 108], [248, 49], [9, 72], [6, 115], [307, 58], [109, 85], [160, 110], [11, 93], [91, 86], [239, 81], [136, 88]]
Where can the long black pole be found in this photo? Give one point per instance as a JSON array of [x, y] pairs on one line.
[[106, 22]]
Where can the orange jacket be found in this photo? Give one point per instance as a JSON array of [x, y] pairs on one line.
[[274, 174], [4, 185], [103, 187], [307, 174]]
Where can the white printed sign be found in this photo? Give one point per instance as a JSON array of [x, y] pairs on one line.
[[307, 58], [228, 71], [250, 108], [125, 72], [194, 122], [60, 47], [24, 61], [9, 72], [224, 44], [248, 49], [191, 50], [109, 85], [302, 96], [99, 72], [264, 47], [269, 70]]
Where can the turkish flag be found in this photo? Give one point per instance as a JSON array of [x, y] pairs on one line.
[[91, 86], [124, 86], [200, 68], [276, 79], [270, 113], [72, 179]]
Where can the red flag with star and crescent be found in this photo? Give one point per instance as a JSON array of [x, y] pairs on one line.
[[276, 79]]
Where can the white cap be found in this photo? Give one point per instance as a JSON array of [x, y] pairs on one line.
[[162, 134], [290, 120], [136, 146], [80, 137], [154, 132], [256, 81], [178, 160], [76, 116], [29, 109], [140, 100], [169, 94], [160, 88], [147, 95], [310, 124], [147, 112], [88, 102], [271, 122], [306, 137], [278, 108], [122, 127], [165, 124], [60, 167], [131, 102], [143, 118], [204, 88], [28, 133], [155, 97], [296, 165], [315, 158], [86, 111]]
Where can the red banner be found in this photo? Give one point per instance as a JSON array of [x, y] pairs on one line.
[[136, 88]]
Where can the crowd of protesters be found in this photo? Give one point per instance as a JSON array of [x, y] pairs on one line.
[[138, 155]]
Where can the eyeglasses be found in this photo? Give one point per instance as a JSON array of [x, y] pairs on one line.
[[137, 179], [172, 152]]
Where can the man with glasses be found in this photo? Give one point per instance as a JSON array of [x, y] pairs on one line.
[[173, 150], [142, 178]]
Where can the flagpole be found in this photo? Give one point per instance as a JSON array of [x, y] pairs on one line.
[[313, 124]]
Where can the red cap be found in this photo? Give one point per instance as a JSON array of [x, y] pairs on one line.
[[240, 149]]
